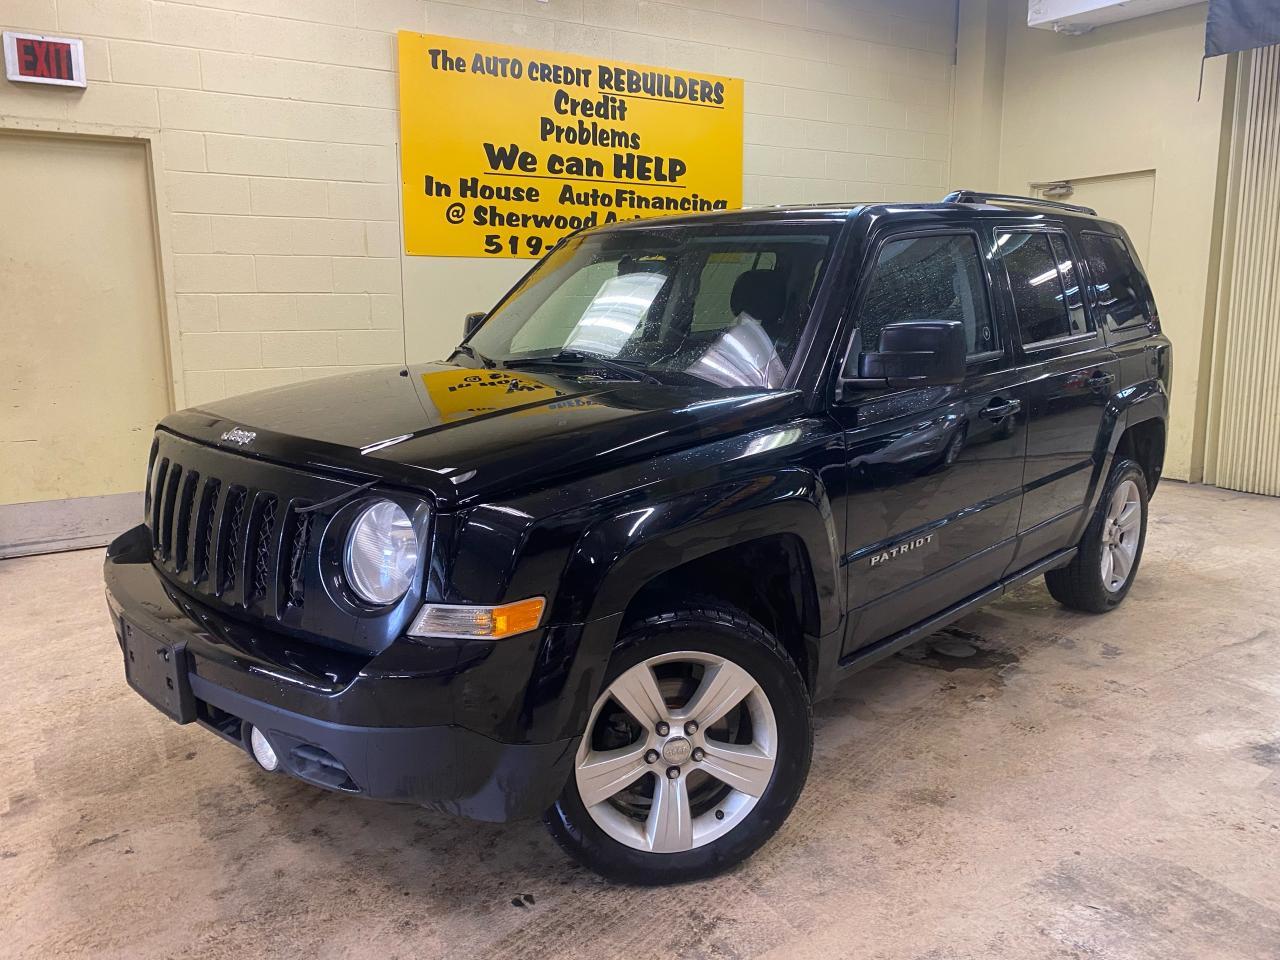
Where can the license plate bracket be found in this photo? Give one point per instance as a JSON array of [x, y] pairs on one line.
[[158, 672]]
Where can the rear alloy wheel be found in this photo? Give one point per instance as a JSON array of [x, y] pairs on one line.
[[1121, 535], [693, 754], [1102, 571]]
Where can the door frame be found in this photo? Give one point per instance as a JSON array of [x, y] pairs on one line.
[[53, 525]]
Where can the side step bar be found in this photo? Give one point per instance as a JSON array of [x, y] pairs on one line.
[[864, 657]]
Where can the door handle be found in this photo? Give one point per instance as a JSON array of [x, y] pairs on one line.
[[998, 411], [1101, 381]]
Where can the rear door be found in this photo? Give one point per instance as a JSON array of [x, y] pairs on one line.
[[1070, 376], [933, 474]]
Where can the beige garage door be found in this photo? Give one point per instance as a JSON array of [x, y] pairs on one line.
[[82, 350]]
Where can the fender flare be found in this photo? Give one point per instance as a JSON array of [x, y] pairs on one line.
[[1146, 400], [619, 554]]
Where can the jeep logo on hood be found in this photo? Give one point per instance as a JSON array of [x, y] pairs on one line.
[[240, 436]]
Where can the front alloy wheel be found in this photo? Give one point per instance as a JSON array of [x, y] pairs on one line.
[[693, 753], [693, 765]]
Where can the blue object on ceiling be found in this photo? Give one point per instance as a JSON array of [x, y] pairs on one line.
[[1241, 25]]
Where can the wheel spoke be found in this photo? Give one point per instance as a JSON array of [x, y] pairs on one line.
[[604, 772], [637, 692], [1118, 501], [1122, 557], [1108, 563], [723, 687], [1129, 516], [743, 767], [669, 828]]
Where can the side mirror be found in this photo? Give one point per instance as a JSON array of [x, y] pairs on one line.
[[471, 321], [915, 353]]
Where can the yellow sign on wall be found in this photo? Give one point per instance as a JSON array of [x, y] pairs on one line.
[[504, 149]]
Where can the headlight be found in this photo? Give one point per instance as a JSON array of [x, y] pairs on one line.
[[382, 553]]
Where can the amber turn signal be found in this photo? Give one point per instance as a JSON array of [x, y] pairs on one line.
[[483, 623]]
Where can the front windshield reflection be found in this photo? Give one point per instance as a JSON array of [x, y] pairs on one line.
[[725, 305]]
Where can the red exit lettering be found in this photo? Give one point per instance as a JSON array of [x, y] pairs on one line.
[[46, 59]]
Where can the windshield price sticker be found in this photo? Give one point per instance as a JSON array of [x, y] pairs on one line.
[[504, 150]]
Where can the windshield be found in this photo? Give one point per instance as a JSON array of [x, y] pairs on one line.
[[723, 304]]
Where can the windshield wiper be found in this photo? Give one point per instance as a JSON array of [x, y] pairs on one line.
[[474, 354], [634, 368]]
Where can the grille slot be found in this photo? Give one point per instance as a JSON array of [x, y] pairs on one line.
[[182, 533], [204, 530], [151, 475], [166, 510], [299, 540], [157, 496], [229, 540], [261, 573]]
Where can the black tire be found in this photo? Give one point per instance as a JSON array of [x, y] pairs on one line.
[[1079, 585], [724, 632]]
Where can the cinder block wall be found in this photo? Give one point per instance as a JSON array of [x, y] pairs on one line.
[[277, 174]]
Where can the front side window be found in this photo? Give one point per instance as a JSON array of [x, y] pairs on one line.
[[935, 277], [1117, 291], [1042, 278], [725, 304]]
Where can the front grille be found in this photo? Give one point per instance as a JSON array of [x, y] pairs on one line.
[[227, 528]]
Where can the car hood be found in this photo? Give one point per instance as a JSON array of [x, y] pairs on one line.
[[465, 433]]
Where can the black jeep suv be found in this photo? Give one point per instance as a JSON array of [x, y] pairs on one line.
[[687, 475]]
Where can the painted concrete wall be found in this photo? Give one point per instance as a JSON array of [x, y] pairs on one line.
[[1120, 99], [277, 173]]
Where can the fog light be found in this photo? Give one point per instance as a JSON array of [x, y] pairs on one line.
[[262, 750]]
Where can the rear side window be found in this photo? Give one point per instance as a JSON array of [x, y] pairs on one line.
[[1117, 290], [1074, 298], [1046, 293], [929, 278]]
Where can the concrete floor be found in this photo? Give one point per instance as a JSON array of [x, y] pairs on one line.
[[1082, 787]]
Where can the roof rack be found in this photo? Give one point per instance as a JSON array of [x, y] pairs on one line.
[[978, 196]]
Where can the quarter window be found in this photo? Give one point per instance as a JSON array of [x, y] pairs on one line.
[[928, 278], [1117, 290], [1046, 293]]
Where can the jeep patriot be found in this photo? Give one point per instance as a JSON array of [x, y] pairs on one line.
[[689, 474]]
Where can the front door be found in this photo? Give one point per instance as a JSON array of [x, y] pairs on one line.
[[933, 474], [1070, 374]]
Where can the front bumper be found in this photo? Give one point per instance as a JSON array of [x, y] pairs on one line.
[[383, 726]]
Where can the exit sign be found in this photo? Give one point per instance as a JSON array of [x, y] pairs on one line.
[[31, 58]]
